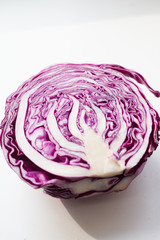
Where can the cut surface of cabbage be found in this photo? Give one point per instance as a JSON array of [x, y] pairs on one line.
[[80, 129]]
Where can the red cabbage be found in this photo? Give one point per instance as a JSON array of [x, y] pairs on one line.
[[77, 130]]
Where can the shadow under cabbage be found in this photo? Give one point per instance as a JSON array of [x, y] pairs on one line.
[[116, 215]]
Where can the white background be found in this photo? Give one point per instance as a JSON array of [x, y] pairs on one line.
[[35, 34]]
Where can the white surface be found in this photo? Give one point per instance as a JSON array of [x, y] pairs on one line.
[[32, 38]]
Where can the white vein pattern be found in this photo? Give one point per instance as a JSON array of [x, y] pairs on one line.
[[94, 145]]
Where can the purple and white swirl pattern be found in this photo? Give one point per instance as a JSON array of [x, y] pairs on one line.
[[79, 129]]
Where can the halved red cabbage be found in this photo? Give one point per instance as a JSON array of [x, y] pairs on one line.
[[77, 130]]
